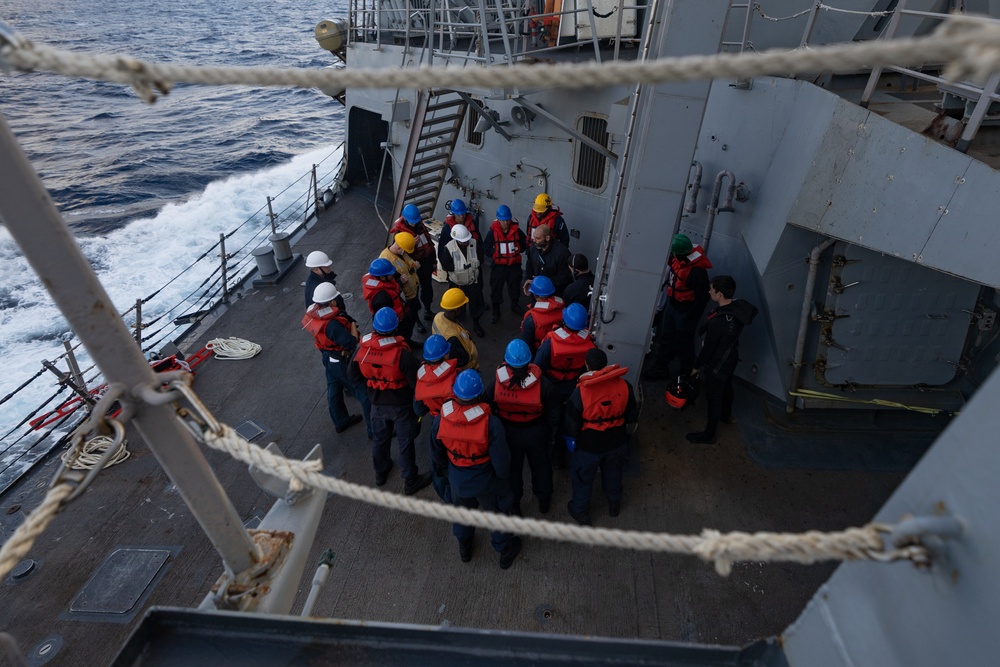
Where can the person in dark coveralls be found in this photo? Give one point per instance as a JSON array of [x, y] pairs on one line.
[[720, 352], [597, 415], [336, 337], [435, 379], [469, 443], [423, 252], [460, 258], [582, 287], [686, 297], [504, 244], [543, 315], [385, 365], [321, 271], [525, 402], [544, 213], [547, 257]]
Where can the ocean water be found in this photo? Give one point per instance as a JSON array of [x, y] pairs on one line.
[[148, 188]]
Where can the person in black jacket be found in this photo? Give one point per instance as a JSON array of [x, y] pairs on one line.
[[547, 257], [582, 286], [720, 352]]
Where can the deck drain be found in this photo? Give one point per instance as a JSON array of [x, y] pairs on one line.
[[44, 651], [248, 430], [544, 613]]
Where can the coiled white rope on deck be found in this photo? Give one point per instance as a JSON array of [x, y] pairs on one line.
[[233, 348], [969, 46], [92, 452]]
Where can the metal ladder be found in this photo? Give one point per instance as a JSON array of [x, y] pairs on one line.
[[433, 134]]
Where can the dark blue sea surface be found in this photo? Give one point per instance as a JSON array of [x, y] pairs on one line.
[[147, 189]]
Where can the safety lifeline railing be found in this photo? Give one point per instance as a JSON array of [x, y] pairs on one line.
[[492, 32], [62, 399]]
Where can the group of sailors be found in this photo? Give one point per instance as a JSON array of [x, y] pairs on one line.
[[554, 393]]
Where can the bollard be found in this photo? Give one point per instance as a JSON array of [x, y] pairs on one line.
[[282, 246], [264, 257]]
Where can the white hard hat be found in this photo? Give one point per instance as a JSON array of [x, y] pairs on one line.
[[325, 293], [461, 233], [318, 258]]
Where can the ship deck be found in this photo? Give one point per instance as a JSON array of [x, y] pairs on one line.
[[398, 568]]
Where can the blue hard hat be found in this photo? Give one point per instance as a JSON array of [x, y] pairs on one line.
[[385, 321], [458, 207], [503, 212], [542, 286], [435, 347], [518, 354], [468, 385], [411, 214], [575, 316], [381, 267]]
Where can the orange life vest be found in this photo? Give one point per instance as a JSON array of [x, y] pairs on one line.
[[424, 246], [315, 321], [536, 219], [568, 350], [507, 247], [434, 383], [464, 431], [604, 396], [677, 287], [470, 224], [370, 286], [519, 404], [378, 359], [546, 314]]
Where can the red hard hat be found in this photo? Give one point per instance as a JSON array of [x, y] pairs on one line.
[[677, 396]]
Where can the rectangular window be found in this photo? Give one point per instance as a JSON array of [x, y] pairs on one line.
[[591, 166], [471, 118]]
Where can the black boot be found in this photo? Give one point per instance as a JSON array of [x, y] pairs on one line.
[[496, 314], [478, 328]]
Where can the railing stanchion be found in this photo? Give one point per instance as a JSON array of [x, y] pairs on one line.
[[225, 279]]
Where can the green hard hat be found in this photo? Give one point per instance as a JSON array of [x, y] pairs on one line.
[[681, 245]]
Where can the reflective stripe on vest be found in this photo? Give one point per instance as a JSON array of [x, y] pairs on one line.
[[370, 287], [315, 321], [521, 403], [604, 396], [568, 351], [378, 360], [434, 384], [506, 247], [464, 431], [466, 263]]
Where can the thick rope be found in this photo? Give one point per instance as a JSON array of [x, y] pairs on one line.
[[864, 543], [233, 348], [970, 47], [20, 543]]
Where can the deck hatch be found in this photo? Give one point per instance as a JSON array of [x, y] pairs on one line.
[[120, 581]]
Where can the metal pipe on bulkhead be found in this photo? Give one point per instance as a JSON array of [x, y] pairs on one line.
[[691, 200], [713, 207], [800, 341], [31, 218]]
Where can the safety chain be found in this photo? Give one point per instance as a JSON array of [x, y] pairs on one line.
[[68, 483], [870, 542], [969, 46], [818, 5]]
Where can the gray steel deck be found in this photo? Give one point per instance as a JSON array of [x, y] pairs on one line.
[[396, 568]]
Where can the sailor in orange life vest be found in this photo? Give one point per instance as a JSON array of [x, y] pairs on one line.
[[561, 355], [423, 252], [459, 214], [597, 414], [544, 213], [446, 324], [469, 442], [720, 352], [380, 288], [526, 404], [398, 253], [684, 301], [460, 258], [504, 244], [384, 364], [336, 336], [544, 314], [435, 378], [321, 271], [547, 257]]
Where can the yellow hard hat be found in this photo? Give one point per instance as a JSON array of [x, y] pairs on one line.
[[405, 241], [543, 202], [453, 299]]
